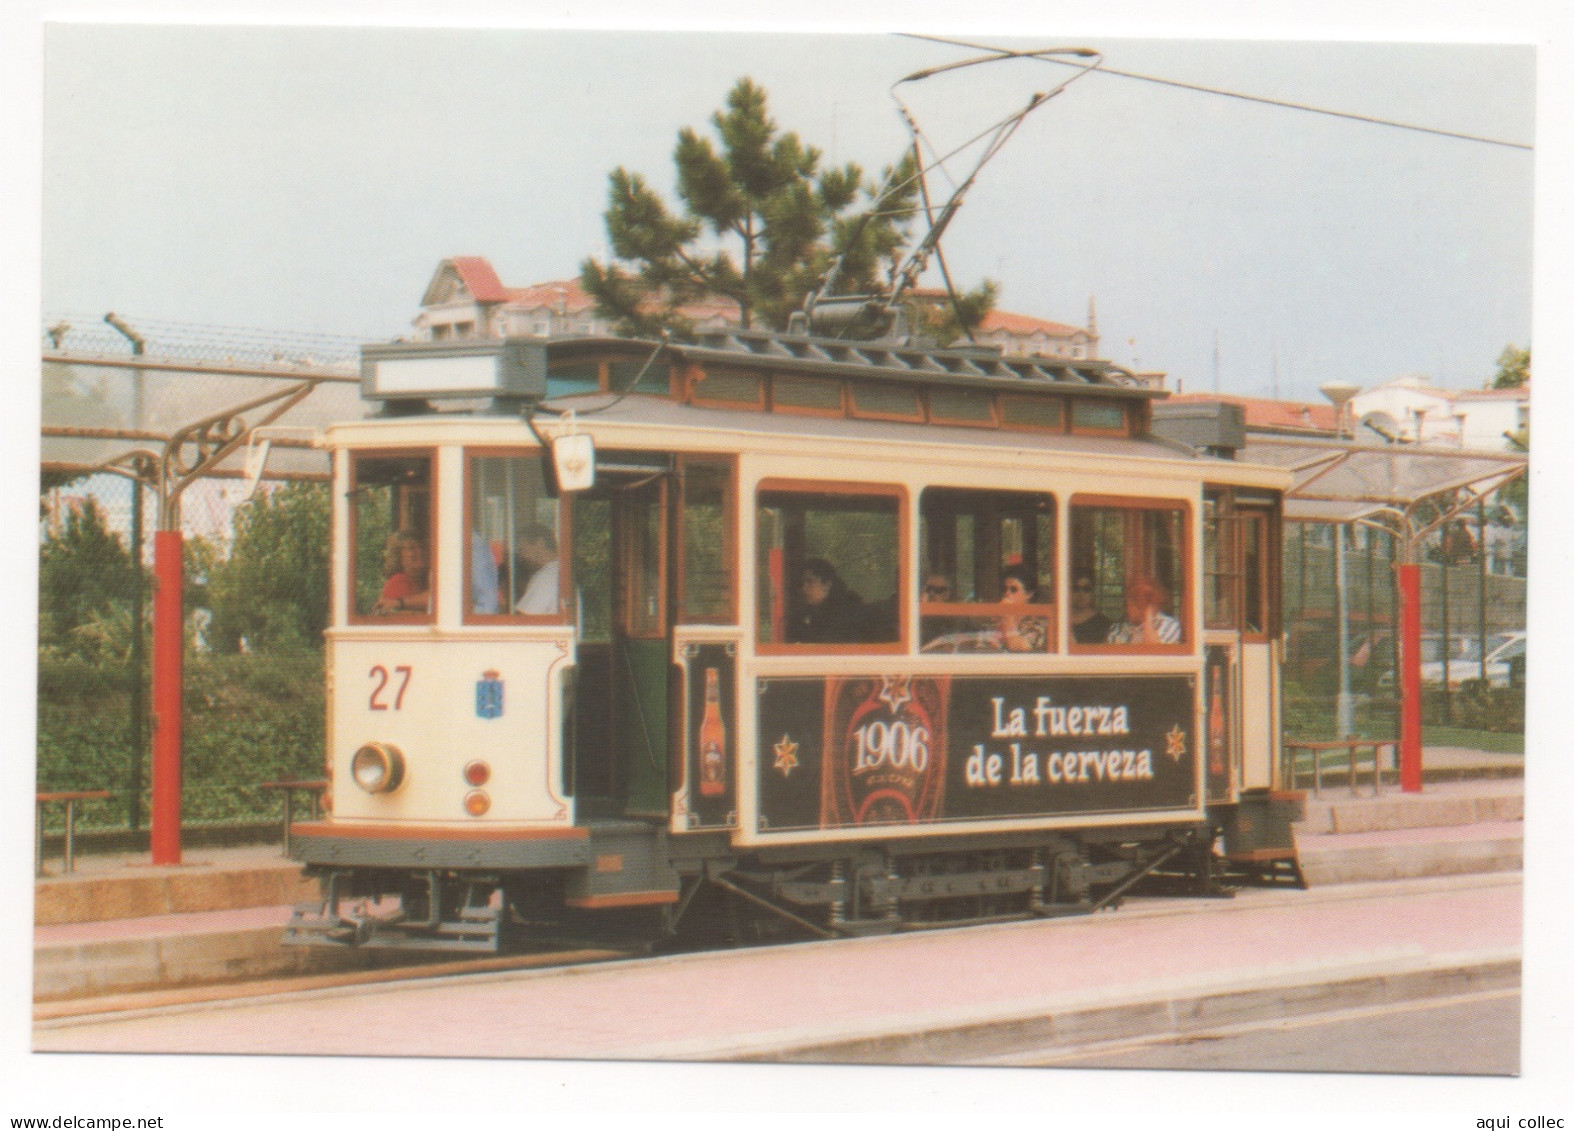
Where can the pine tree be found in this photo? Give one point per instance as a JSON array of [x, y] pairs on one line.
[[761, 224]]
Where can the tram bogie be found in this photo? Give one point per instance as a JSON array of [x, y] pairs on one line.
[[832, 640]]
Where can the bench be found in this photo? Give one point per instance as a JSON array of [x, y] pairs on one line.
[[1353, 747], [313, 787], [69, 798]]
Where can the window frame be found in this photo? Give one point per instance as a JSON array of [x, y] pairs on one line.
[[1181, 594], [352, 522], [902, 553], [727, 464], [998, 610], [565, 561]]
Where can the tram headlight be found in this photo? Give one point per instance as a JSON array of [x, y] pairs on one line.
[[378, 767]]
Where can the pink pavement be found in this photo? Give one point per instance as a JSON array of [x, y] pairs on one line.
[[680, 1007]]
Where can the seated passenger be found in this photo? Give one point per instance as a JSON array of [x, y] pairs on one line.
[[1018, 586], [543, 593], [830, 612], [937, 589], [1145, 621], [408, 588], [1088, 625]]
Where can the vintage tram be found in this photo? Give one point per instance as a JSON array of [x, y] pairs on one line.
[[773, 629]]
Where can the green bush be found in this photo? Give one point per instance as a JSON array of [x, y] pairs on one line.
[[248, 719]]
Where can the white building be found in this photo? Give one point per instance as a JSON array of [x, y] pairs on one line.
[[1411, 409]]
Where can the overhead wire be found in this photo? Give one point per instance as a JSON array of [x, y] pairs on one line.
[[1261, 99]]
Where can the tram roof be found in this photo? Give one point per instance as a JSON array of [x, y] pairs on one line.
[[835, 357]]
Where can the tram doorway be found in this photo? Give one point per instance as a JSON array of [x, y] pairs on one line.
[[619, 538]]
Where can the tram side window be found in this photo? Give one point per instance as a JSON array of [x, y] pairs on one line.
[[391, 516], [513, 558], [1235, 564], [984, 555], [1132, 558], [1220, 566], [705, 581], [829, 567]]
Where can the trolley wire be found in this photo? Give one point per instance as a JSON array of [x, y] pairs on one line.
[[1261, 99]]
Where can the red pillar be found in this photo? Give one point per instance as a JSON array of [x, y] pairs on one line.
[[1410, 677], [168, 622]]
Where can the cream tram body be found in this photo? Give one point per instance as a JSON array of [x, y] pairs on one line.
[[452, 732]]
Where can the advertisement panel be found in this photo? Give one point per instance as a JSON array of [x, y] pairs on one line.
[[850, 751]]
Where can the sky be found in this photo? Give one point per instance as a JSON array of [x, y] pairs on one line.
[[255, 175], [299, 179]]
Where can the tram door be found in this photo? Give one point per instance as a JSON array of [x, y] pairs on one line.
[[1239, 694], [619, 535]]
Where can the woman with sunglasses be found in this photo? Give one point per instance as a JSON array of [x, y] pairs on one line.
[[1018, 586], [1088, 625]]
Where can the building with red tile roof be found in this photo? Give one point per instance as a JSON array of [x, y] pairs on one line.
[[1264, 415], [466, 299]]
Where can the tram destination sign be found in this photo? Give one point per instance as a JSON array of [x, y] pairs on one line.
[[840, 752]]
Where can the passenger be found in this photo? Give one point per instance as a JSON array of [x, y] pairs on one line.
[[1088, 625], [830, 612], [937, 589], [483, 575], [1018, 586], [543, 595], [408, 588], [1145, 621]]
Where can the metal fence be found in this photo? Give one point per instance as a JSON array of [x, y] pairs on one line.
[[1472, 614]]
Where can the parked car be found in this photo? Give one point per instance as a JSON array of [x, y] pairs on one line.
[[1505, 660]]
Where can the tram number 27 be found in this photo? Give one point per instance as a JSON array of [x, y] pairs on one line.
[[381, 680]]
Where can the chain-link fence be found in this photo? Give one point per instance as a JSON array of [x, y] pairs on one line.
[[256, 603], [1472, 629]]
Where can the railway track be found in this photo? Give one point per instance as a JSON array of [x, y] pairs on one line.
[[180, 996]]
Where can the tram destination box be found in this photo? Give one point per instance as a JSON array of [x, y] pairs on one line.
[[510, 368]]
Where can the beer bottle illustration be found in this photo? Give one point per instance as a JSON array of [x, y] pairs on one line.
[[1216, 722], [713, 740]]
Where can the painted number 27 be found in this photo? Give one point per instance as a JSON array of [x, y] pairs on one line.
[[380, 675]]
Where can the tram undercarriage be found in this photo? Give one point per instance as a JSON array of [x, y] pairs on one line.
[[717, 900]]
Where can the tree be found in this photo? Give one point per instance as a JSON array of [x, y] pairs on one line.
[[1513, 368], [83, 572], [778, 221], [273, 588]]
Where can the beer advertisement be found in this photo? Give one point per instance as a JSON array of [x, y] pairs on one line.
[[901, 749]]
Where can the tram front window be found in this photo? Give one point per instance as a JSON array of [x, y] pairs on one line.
[[391, 529], [513, 558], [1133, 554], [829, 568]]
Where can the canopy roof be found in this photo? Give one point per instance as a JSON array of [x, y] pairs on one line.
[[1348, 481]]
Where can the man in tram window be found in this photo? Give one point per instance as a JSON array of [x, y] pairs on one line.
[[483, 575], [1146, 622], [538, 551], [829, 612]]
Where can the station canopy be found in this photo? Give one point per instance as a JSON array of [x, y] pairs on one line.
[[1350, 482], [101, 401]]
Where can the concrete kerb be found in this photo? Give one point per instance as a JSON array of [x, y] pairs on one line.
[[1068, 1021]]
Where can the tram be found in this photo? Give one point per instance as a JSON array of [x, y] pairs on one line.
[[793, 634]]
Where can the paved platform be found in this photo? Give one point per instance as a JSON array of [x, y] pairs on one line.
[[928, 997], [118, 924]]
